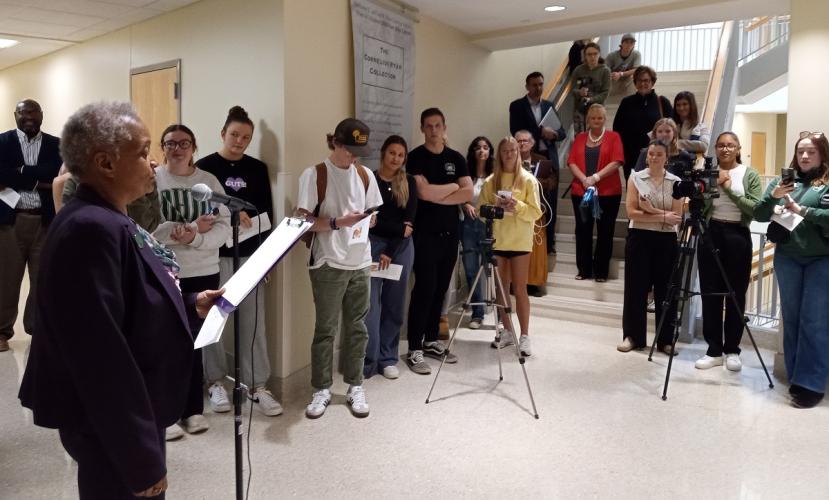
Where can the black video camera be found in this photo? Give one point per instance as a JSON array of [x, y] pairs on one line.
[[584, 82], [491, 212], [698, 184]]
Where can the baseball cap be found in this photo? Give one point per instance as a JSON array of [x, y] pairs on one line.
[[628, 36], [353, 134]]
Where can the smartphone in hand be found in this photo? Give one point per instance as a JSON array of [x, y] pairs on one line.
[[787, 176]]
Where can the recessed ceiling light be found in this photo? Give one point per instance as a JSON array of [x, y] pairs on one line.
[[6, 43], [554, 8]]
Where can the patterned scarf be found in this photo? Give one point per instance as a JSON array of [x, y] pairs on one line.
[[164, 254]]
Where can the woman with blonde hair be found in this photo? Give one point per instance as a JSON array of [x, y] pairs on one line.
[[667, 131], [516, 191]]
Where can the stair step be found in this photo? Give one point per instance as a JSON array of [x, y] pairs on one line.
[[564, 285], [567, 243], [565, 263], [566, 224]]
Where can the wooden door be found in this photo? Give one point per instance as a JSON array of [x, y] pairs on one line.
[[758, 153], [154, 91]]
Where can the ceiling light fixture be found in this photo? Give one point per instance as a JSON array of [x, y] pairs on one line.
[[554, 8], [5, 43]]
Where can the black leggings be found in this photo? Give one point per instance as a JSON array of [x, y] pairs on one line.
[[435, 256]]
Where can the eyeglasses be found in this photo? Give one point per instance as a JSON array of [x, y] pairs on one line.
[[813, 135], [727, 147], [172, 145], [522, 141]]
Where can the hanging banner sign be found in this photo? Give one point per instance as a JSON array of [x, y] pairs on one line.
[[383, 73]]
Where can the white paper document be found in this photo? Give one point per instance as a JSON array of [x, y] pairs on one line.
[[249, 275], [550, 120], [358, 233], [10, 197], [787, 219], [392, 272], [261, 223]]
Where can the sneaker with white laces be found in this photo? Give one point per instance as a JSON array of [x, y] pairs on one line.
[[416, 363], [506, 339], [524, 345], [173, 433], [436, 350], [707, 362], [391, 372], [194, 424], [266, 402], [356, 398], [219, 401], [733, 363], [475, 323], [319, 402]]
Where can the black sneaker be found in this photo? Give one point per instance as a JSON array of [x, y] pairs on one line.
[[436, 350], [805, 398]]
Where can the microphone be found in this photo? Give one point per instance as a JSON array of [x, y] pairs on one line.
[[201, 192]]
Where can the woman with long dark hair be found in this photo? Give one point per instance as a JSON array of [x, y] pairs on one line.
[[247, 178], [801, 264], [391, 243], [728, 219], [194, 231], [516, 191], [694, 136], [479, 160]]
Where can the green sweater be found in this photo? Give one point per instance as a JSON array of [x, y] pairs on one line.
[[753, 189], [807, 239]]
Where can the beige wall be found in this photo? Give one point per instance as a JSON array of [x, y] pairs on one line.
[[745, 124], [807, 80], [290, 64]]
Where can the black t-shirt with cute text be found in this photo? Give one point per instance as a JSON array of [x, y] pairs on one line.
[[446, 167]]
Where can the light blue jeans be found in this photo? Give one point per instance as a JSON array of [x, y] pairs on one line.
[[472, 232], [388, 300], [804, 299]]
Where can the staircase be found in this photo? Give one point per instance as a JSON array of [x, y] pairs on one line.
[[587, 301]]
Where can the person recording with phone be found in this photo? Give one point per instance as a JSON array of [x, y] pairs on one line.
[[517, 192], [591, 85], [650, 250], [728, 216], [391, 243], [801, 264]]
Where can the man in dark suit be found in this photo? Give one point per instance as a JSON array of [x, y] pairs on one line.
[[29, 160], [526, 113], [109, 365]]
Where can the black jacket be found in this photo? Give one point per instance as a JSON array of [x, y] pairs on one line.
[[48, 165], [635, 118]]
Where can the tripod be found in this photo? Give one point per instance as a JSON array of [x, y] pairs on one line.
[[693, 230], [489, 270]]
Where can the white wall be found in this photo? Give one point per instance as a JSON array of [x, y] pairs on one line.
[[745, 124]]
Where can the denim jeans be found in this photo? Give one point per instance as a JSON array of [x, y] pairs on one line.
[[339, 293], [388, 300], [472, 232], [804, 299]]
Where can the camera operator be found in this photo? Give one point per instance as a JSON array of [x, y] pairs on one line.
[[517, 192], [728, 219], [801, 264], [650, 249], [666, 130], [591, 84]]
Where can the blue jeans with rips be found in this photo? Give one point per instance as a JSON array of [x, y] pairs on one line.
[[804, 299], [472, 232]]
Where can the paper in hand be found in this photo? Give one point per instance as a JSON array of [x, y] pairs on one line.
[[10, 197], [260, 223], [392, 272], [358, 233]]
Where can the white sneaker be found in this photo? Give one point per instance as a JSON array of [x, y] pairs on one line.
[[626, 345], [524, 345], [733, 363], [356, 398], [707, 362], [173, 433], [265, 402], [475, 323], [319, 403], [195, 424], [391, 372], [219, 401], [507, 339]]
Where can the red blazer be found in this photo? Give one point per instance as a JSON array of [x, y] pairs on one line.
[[610, 150]]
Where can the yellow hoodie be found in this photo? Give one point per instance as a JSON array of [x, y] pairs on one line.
[[515, 231]]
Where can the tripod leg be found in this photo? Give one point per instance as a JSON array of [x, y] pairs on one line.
[[521, 359], [466, 307], [731, 293], [686, 283], [677, 276]]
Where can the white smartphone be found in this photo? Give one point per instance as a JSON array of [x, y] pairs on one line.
[[507, 195]]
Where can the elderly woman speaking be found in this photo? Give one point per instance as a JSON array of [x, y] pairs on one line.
[[100, 371]]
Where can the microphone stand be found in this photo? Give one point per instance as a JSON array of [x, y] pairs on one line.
[[237, 349]]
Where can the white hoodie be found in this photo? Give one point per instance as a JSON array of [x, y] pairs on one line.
[[201, 256]]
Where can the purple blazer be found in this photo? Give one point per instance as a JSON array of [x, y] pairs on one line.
[[112, 351]]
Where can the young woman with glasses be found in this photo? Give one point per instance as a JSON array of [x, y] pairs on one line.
[[194, 231]]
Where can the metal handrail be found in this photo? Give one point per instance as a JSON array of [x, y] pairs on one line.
[[762, 301]]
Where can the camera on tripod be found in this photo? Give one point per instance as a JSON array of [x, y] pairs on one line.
[[696, 183], [491, 212]]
